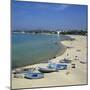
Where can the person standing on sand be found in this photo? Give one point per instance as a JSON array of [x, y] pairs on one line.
[[67, 54]]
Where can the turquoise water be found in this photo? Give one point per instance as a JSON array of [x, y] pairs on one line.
[[29, 48]]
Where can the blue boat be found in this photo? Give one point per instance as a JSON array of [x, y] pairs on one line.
[[34, 75], [58, 66]]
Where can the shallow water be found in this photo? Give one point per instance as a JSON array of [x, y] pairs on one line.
[[30, 49]]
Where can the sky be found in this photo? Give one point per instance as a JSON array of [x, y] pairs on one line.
[[48, 16]]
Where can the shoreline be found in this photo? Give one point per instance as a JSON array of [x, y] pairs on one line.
[[78, 47], [60, 51], [63, 49]]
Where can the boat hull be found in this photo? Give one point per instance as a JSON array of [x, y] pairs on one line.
[[47, 70]]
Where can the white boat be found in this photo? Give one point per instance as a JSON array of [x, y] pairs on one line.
[[46, 69]]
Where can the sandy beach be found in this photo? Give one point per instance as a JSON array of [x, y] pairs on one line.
[[70, 76]]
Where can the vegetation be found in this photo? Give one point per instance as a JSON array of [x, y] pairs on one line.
[[75, 32]]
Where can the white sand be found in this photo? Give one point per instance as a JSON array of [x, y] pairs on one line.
[[71, 76]]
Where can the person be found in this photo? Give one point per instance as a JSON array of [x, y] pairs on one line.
[[73, 65], [67, 72], [67, 54]]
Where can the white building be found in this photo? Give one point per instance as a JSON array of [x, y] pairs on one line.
[[58, 32]]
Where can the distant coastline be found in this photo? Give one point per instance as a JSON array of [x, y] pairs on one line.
[[70, 32]]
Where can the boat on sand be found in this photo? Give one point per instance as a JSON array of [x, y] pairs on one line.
[[34, 75], [47, 70], [57, 66]]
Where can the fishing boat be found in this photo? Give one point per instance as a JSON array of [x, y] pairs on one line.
[[46, 69], [65, 61], [34, 75], [57, 66]]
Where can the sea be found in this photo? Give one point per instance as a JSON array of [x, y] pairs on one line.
[[28, 49]]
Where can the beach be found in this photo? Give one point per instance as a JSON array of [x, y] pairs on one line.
[[70, 76]]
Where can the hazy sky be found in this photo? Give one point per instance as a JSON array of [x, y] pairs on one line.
[[31, 15]]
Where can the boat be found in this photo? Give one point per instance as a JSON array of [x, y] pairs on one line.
[[47, 69], [34, 75], [65, 61], [18, 75], [58, 66], [82, 62]]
